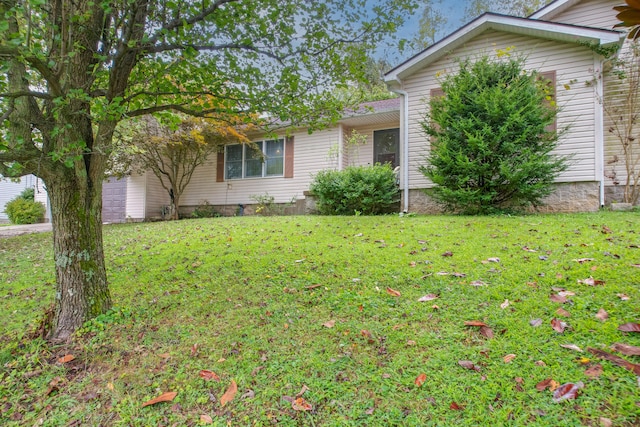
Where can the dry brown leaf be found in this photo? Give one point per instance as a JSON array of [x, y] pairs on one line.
[[478, 283], [469, 365], [329, 324], [300, 404], [567, 391], [164, 397], [66, 358], [474, 323], [558, 298], [605, 422], [594, 371], [558, 325], [583, 260], [393, 292], [617, 360], [627, 350], [629, 327], [454, 406], [566, 293], [544, 384], [602, 315], [508, 358], [447, 253], [505, 304], [535, 322], [229, 394], [571, 347], [420, 379], [206, 419], [623, 297], [562, 312], [365, 333], [493, 259], [209, 375], [486, 331], [591, 282], [428, 297]]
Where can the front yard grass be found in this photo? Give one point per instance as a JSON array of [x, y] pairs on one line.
[[280, 305]]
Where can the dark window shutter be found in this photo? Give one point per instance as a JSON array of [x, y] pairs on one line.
[[220, 167], [288, 157], [550, 77]]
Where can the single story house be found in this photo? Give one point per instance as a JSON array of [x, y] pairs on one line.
[[557, 41]]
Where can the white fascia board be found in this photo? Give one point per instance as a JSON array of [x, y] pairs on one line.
[[552, 9], [490, 21]]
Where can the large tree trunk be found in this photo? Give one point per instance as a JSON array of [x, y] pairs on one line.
[[81, 291]]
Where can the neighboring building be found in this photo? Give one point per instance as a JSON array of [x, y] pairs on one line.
[[10, 189], [555, 41]]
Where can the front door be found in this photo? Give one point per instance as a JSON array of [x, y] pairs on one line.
[[386, 147]]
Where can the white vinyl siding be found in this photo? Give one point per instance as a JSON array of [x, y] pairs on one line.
[[573, 65], [10, 190], [590, 13]]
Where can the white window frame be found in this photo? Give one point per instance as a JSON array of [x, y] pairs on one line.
[[262, 145]]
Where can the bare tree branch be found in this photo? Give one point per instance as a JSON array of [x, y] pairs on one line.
[[26, 93]]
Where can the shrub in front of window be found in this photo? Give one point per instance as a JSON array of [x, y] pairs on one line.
[[491, 138], [367, 190], [24, 210]]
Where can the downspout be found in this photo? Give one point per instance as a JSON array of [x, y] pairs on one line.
[[404, 124], [599, 126], [340, 146]]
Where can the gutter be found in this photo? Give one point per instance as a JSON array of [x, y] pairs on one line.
[[404, 123]]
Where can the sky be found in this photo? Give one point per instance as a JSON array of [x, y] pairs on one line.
[[453, 10]]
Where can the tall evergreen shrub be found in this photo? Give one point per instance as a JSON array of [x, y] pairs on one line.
[[490, 138]]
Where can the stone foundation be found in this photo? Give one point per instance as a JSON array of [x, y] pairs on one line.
[[297, 208], [614, 194], [567, 197]]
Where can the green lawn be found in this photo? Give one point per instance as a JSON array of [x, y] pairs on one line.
[[279, 305]]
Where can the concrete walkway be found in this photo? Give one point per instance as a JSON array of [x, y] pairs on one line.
[[17, 230]]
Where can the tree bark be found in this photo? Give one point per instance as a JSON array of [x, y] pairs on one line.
[[81, 292]]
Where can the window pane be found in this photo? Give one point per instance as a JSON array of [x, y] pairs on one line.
[[253, 161], [275, 167], [233, 161], [234, 153], [275, 148]]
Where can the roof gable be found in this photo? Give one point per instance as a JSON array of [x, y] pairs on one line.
[[492, 21], [552, 9]]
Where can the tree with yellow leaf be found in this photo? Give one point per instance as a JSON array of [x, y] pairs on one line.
[[173, 153]]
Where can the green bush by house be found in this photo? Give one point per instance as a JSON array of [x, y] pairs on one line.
[[367, 190], [24, 210]]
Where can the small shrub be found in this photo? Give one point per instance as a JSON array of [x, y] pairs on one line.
[[24, 210], [205, 210], [367, 190]]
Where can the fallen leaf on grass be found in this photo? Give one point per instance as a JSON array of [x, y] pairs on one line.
[[567, 391], [547, 383], [505, 304], [478, 283], [164, 397], [558, 298], [623, 297], [365, 333], [583, 260], [474, 323], [209, 375], [313, 286], [300, 404], [428, 297], [393, 292], [562, 312], [594, 371], [627, 350], [447, 253], [617, 360], [571, 347], [558, 325], [329, 324], [66, 358], [535, 322], [629, 327], [493, 259], [420, 379], [508, 358], [469, 365], [206, 419], [229, 394], [602, 315], [454, 406], [486, 331], [592, 282]]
